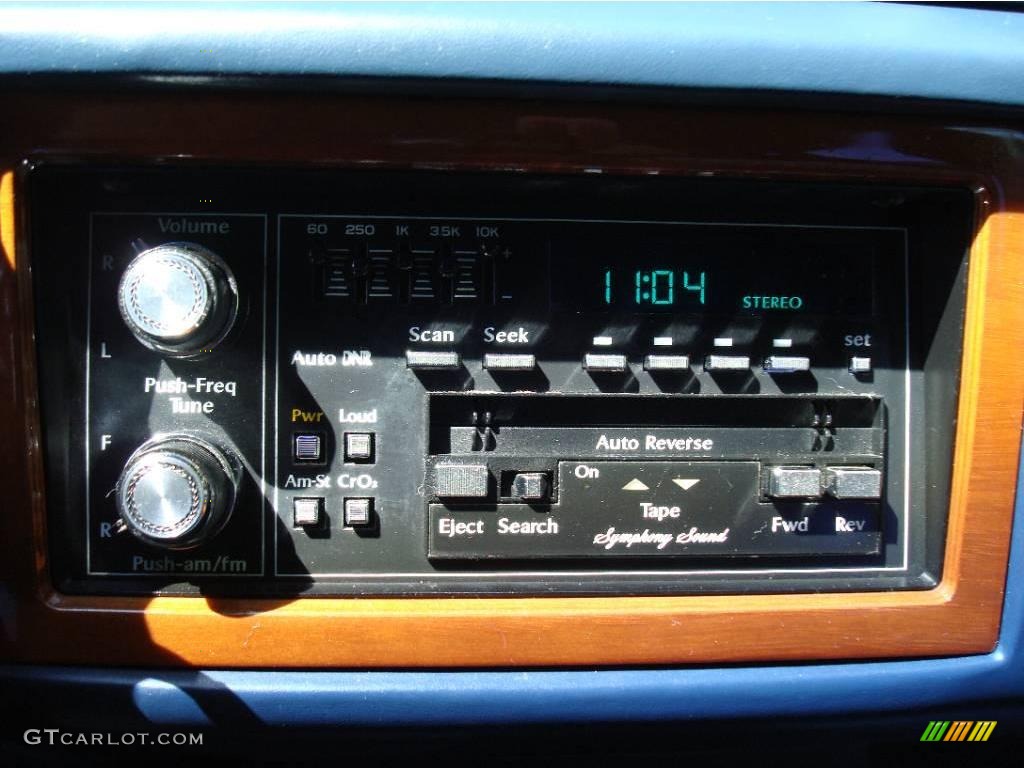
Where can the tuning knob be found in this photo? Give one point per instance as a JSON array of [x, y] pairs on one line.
[[178, 298], [177, 491]]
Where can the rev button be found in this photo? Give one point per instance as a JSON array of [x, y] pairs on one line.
[[853, 482]]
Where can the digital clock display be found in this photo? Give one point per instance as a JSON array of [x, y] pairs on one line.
[[655, 287], [744, 272]]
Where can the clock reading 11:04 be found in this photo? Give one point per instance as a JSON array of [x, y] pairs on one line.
[[718, 271], [655, 288]]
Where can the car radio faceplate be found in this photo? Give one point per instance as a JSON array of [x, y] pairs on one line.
[[494, 383]]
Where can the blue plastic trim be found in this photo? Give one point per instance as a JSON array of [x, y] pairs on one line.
[[893, 50], [848, 48]]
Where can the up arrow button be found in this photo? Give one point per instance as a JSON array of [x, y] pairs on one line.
[[635, 485]]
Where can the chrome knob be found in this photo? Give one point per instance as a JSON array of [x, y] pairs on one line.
[[178, 298], [177, 491]]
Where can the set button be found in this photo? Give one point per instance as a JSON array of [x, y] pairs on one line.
[[860, 366]]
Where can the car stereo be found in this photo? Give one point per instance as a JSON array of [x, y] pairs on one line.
[[372, 381]]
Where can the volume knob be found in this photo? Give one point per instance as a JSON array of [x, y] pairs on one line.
[[178, 298], [177, 491]]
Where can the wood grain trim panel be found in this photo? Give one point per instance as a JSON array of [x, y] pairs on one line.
[[960, 616], [7, 219]]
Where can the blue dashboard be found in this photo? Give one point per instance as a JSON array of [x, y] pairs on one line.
[[875, 49], [869, 57]]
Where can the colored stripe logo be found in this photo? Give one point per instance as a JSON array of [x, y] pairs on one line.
[[958, 730]]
